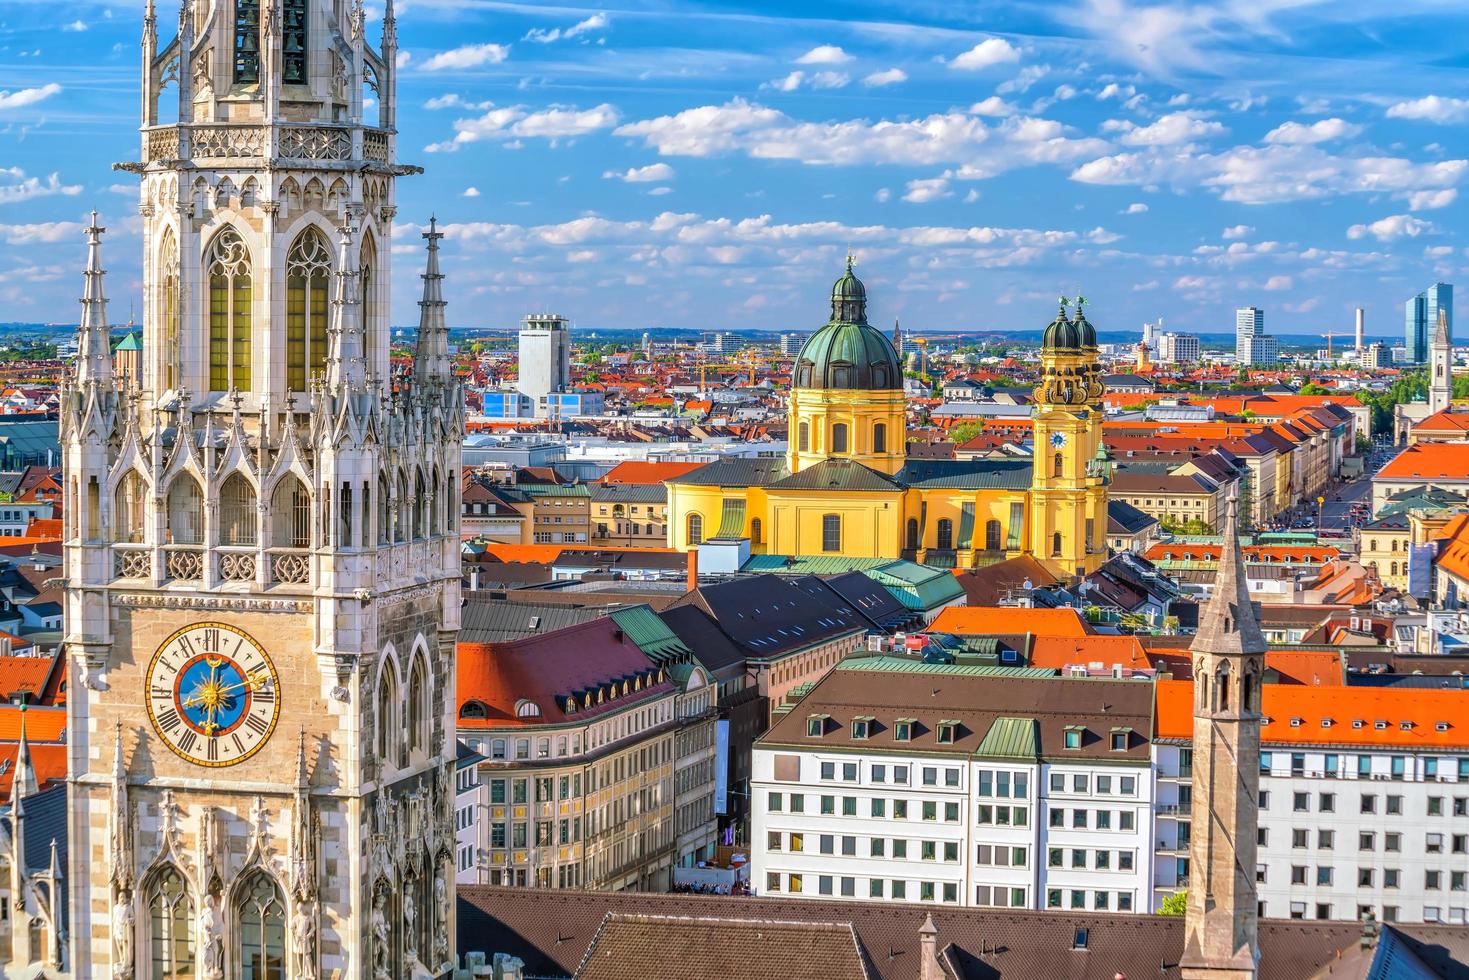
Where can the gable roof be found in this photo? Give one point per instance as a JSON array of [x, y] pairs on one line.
[[838, 474], [645, 471], [1010, 621], [741, 472]]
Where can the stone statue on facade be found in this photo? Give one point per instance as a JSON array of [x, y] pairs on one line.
[[381, 939], [211, 940], [441, 922], [122, 936], [410, 923], [303, 940]]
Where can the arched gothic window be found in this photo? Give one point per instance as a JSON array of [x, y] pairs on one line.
[[417, 728], [384, 512], [1056, 544], [308, 275], [168, 309], [185, 512], [992, 536], [696, 529], [237, 512], [230, 295], [368, 300], [405, 510], [420, 508], [261, 913], [755, 530], [170, 926], [294, 57], [129, 522], [290, 515], [387, 710], [1221, 688], [247, 42]]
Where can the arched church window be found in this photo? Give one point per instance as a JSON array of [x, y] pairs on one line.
[[880, 437], [384, 514], [262, 918], [1221, 688], [401, 525], [696, 529], [1057, 462], [247, 42], [945, 534], [387, 709], [421, 504], [417, 705], [170, 926], [839, 437], [992, 536], [237, 524], [1056, 544], [185, 512], [841, 375], [294, 23], [803, 439], [912, 534], [368, 299], [168, 309], [230, 293], [290, 515], [308, 271], [128, 511]]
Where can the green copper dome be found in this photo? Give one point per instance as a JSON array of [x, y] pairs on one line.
[[848, 353], [1073, 334]]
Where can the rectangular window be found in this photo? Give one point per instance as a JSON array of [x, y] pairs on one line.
[[831, 529]]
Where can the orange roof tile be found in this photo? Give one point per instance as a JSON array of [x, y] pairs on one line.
[[42, 724], [24, 675], [1430, 460], [642, 471], [1318, 668], [1449, 420], [540, 554], [45, 529], [1063, 651], [1453, 556], [1343, 707], [1010, 621]]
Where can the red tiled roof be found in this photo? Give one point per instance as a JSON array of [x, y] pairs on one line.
[[49, 762], [641, 471], [1449, 420], [1009, 621], [1430, 460], [1063, 651]]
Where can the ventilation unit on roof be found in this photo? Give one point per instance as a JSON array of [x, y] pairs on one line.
[[1358, 723], [1441, 726]]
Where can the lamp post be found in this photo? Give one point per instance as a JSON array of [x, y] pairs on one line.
[[1320, 514]]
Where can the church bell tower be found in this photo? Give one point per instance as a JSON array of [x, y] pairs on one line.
[[261, 538]]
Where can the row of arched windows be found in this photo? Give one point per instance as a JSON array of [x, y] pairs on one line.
[[259, 927], [840, 438], [230, 277], [403, 723]]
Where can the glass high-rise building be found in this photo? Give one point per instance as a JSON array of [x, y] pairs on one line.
[[1249, 322], [1421, 316]]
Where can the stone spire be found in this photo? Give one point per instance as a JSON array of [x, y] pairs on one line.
[[345, 367], [1221, 928], [431, 358], [121, 844], [94, 347], [1441, 366], [25, 772]]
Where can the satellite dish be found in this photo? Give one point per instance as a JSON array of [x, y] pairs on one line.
[[1027, 585]]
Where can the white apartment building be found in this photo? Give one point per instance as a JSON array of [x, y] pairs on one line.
[[1364, 802], [1178, 348], [1001, 787], [544, 365]]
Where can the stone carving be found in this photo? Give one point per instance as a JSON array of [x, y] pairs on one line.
[[339, 76], [303, 940], [122, 936], [410, 923], [381, 938], [138, 600], [203, 74], [441, 924], [211, 939]]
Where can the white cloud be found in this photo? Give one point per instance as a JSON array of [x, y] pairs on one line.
[[986, 54], [879, 79], [830, 79], [596, 22], [1136, 208], [659, 191], [705, 130], [824, 54], [789, 83], [16, 187], [972, 196], [1237, 231], [404, 59], [471, 192], [1430, 200], [511, 122], [46, 233], [1392, 227], [993, 106], [924, 191], [1277, 284], [1431, 108], [883, 195], [1023, 79], [1438, 251], [75, 27], [1166, 130], [1317, 132], [27, 96], [453, 101], [469, 56], [1114, 91], [651, 174]]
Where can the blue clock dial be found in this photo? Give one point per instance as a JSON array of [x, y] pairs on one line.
[[212, 694]]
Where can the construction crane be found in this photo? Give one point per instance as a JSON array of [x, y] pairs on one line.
[[1328, 337]]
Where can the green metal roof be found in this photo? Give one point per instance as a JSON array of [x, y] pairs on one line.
[[838, 474], [1011, 738], [753, 471], [554, 490], [732, 520], [902, 665], [650, 634], [809, 564], [133, 341], [966, 474], [917, 587]]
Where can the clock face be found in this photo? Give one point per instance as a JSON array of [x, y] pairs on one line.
[[1058, 439], [212, 694]]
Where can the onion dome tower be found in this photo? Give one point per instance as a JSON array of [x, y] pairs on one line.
[[847, 389]]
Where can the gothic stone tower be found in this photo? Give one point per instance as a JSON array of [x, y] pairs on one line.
[[262, 563], [1229, 660], [1068, 497], [1441, 373]]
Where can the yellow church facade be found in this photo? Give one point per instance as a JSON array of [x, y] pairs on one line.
[[846, 486]]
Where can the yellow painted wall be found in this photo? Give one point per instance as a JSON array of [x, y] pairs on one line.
[[820, 410], [871, 523]]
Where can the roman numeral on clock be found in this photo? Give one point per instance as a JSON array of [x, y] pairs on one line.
[[169, 721], [256, 724], [187, 740], [160, 692], [213, 749]]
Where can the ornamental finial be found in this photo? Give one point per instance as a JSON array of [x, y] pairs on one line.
[[1064, 303]]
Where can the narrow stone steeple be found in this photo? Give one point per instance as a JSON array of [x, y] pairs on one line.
[[1441, 358], [431, 357], [345, 366], [25, 771], [94, 348], [1222, 935]]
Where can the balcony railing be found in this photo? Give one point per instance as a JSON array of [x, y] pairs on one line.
[[248, 141], [132, 561], [184, 563], [290, 566]]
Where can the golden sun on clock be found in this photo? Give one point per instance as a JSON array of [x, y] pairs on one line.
[[213, 695]]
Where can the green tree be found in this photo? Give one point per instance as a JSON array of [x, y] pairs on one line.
[[1175, 904], [1312, 388], [964, 431], [1192, 526]]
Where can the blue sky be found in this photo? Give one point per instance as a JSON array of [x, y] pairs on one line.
[[708, 164]]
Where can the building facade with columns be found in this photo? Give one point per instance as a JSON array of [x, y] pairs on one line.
[[262, 569]]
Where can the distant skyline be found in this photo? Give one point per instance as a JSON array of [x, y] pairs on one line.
[[663, 163]]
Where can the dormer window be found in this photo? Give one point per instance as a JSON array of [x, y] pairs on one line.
[[816, 725], [903, 730], [527, 709], [861, 728], [1295, 723], [1358, 723], [1073, 736], [1380, 725], [1327, 722], [1406, 726], [948, 732], [1441, 726], [1121, 739]]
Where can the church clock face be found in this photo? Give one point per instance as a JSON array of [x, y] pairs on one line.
[[212, 694], [1058, 439]]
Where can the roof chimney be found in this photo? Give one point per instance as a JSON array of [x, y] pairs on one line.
[[928, 951], [693, 569]]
